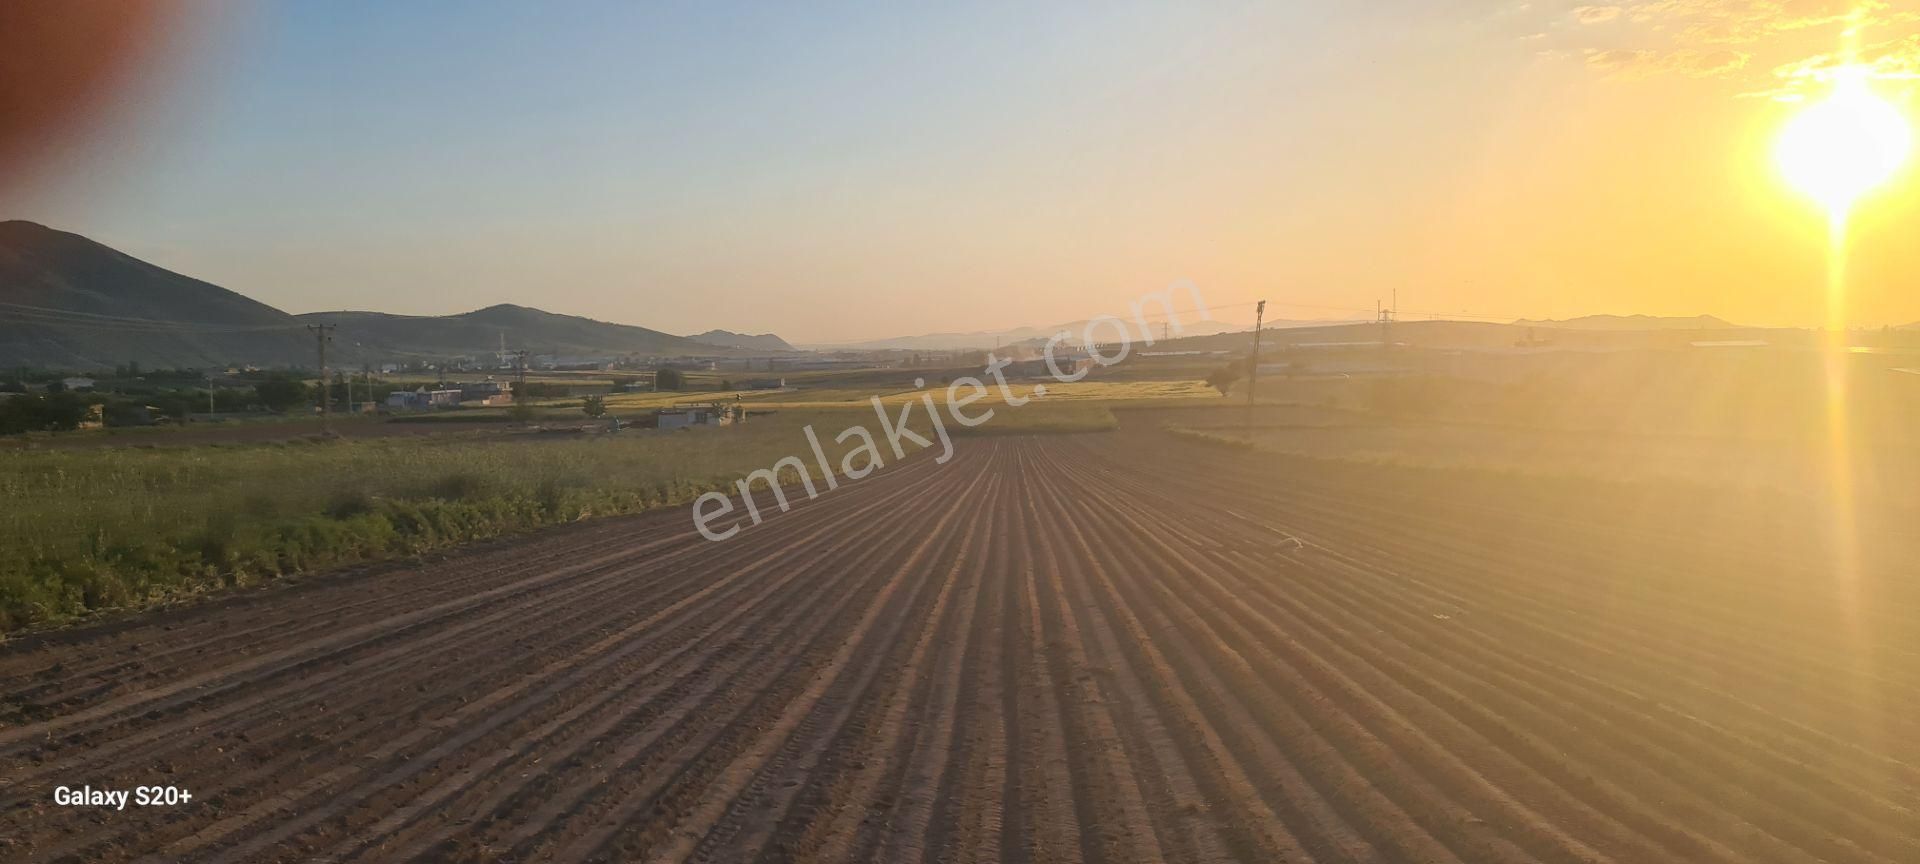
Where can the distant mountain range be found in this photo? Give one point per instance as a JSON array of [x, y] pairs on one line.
[[748, 341], [378, 334], [68, 302], [989, 339], [1634, 322]]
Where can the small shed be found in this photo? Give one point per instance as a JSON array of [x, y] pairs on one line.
[[684, 416]]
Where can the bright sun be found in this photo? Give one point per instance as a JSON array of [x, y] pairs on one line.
[[1839, 149]]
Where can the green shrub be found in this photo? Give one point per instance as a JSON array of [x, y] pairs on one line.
[[123, 527], [459, 486], [347, 503], [550, 495]]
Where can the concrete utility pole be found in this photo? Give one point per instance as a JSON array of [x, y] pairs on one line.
[[209, 396], [1253, 363], [322, 334]]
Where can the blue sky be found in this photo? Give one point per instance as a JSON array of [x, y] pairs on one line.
[[836, 171]]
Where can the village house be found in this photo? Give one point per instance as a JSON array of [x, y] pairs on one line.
[[422, 399]]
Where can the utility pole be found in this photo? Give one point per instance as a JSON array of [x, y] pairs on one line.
[[209, 395], [322, 334], [1253, 363], [1383, 315], [520, 377]]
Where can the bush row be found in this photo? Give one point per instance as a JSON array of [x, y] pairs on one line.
[[47, 588]]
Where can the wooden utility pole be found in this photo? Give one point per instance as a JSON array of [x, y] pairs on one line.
[[322, 334], [1253, 363]]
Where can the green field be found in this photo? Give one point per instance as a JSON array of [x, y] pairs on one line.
[[125, 526]]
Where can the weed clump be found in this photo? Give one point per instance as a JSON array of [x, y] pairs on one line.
[[459, 486], [348, 503]]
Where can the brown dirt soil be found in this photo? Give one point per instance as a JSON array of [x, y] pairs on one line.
[[1102, 648]]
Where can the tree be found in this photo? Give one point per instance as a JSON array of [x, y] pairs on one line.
[[126, 414], [668, 379], [230, 399], [31, 412], [1222, 379], [178, 405], [595, 406], [280, 394], [62, 412]]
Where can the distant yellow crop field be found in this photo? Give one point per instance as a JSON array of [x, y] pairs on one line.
[[836, 397]]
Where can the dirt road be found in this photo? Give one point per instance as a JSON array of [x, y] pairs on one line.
[[1111, 648]]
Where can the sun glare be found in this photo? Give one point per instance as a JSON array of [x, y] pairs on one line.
[[1839, 149]]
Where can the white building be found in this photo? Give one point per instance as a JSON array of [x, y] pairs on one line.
[[422, 399]]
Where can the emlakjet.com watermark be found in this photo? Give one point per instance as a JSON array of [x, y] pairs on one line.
[[867, 455]]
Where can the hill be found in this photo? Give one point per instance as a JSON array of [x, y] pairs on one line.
[[67, 301], [988, 339], [1634, 322], [379, 335], [747, 341]]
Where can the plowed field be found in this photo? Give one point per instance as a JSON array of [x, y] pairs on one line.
[[1102, 648]]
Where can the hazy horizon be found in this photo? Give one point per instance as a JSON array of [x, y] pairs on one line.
[[863, 173]]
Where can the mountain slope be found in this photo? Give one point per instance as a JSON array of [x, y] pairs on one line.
[[68, 301], [748, 341]]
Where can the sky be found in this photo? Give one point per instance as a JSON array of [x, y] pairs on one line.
[[842, 171]]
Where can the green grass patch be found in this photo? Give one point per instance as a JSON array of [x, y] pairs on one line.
[[122, 527], [108, 528]]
